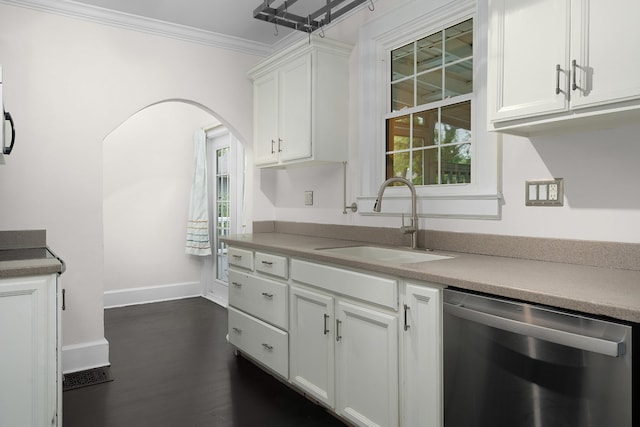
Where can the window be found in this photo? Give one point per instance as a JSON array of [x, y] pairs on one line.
[[422, 111], [428, 124]]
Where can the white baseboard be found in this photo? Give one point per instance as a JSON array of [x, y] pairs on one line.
[[216, 299], [124, 297], [88, 355]]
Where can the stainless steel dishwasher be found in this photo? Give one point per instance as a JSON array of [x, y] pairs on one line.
[[510, 364]]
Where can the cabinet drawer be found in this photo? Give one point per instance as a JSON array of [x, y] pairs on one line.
[[241, 258], [272, 264], [260, 297], [263, 342], [374, 289]]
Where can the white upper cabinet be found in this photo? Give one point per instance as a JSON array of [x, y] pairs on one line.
[[604, 44], [300, 104], [562, 63]]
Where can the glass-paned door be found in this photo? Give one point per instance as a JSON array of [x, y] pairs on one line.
[[222, 218], [226, 182]]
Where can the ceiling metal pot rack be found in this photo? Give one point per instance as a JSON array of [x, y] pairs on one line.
[[315, 20]]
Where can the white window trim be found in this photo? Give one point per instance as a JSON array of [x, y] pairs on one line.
[[482, 197]]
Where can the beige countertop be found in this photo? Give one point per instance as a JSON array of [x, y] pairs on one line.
[[595, 290], [25, 253], [30, 267]]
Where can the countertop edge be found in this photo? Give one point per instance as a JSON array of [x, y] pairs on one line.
[[590, 297], [21, 268]]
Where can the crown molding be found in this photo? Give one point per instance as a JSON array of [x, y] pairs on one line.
[[146, 25]]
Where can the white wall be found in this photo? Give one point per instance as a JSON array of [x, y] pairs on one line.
[[148, 168], [68, 84], [599, 167]]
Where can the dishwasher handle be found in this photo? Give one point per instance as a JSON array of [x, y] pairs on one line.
[[558, 336]]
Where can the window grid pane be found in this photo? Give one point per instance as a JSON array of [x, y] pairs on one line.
[[433, 145]]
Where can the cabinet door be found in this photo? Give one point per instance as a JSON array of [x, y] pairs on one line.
[[528, 39], [28, 372], [366, 365], [265, 119], [604, 45], [295, 109], [422, 385], [311, 340]]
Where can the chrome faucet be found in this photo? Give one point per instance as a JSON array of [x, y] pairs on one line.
[[413, 229]]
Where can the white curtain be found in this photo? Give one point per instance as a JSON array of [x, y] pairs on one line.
[[198, 242]]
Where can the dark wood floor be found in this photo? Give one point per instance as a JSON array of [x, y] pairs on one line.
[[172, 367]]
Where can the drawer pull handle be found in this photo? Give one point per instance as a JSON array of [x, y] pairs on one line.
[[237, 330], [406, 324], [236, 256], [236, 284], [338, 336], [267, 263], [267, 347], [267, 296], [326, 331]]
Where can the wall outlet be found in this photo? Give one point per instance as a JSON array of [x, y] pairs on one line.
[[308, 198], [549, 192]]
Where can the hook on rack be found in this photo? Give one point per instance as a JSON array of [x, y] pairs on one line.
[[372, 6], [321, 29]]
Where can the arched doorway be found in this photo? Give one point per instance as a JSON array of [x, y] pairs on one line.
[[147, 175]]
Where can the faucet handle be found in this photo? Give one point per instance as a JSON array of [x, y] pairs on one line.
[[406, 229]]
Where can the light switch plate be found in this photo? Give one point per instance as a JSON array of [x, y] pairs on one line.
[[547, 192]]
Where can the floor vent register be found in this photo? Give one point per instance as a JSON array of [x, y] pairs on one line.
[[86, 378]]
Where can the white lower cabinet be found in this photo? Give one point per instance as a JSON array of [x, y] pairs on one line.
[[422, 356], [263, 342], [30, 376], [312, 343], [344, 352], [366, 365], [258, 308], [342, 340]]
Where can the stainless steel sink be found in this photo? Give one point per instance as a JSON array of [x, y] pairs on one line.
[[375, 253]]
